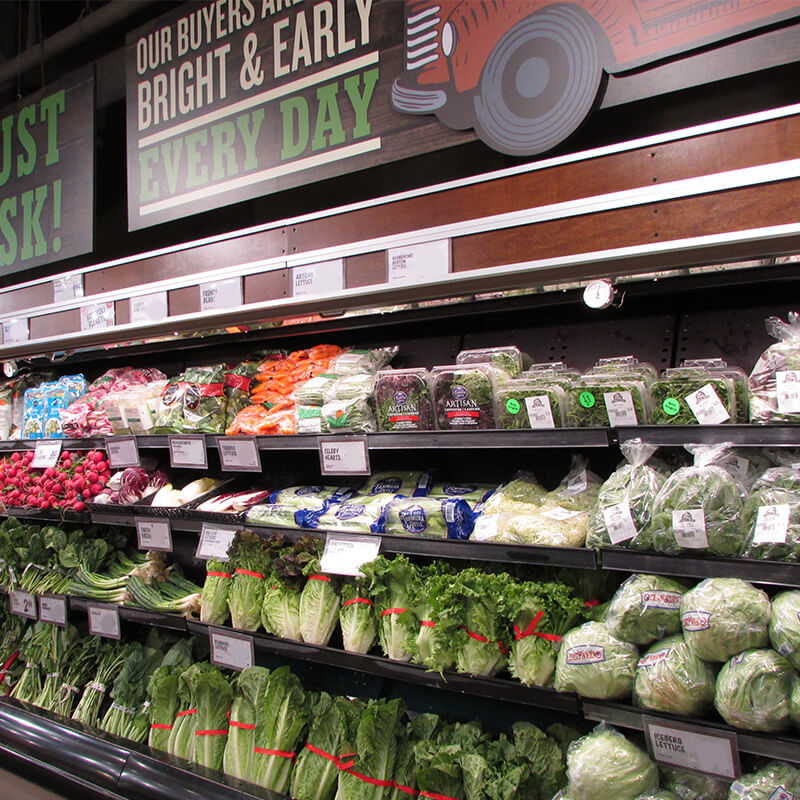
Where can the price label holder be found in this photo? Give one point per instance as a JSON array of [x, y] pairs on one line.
[[104, 620], [231, 650], [693, 747], [188, 451], [418, 263], [239, 454], [214, 542], [96, 317], [220, 295], [344, 555], [23, 604], [16, 331], [326, 277], [154, 534], [53, 609], [122, 451], [348, 456], [149, 308], [67, 287], [46, 453]]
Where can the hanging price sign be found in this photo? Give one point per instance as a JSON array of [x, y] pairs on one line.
[[46, 453], [344, 456], [214, 542], [344, 555], [23, 604], [154, 534], [53, 609], [104, 621], [188, 451], [122, 451], [239, 454], [231, 650]]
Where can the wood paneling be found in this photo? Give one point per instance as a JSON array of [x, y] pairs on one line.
[[266, 286], [365, 270]]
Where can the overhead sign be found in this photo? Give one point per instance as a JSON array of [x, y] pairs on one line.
[[47, 174], [229, 101]]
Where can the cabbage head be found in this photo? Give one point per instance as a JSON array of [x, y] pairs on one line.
[[594, 663], [605, 765], [753, 691], [724, 616], [645, 608], [686, 784], [767, 783], [672, 679], [784, 626]]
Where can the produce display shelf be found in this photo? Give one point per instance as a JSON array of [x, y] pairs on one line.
[[495, 688], [768, 745], [48, 515], [740, 435], [17, 445], [141, 616], [107, 766], [778, 573]]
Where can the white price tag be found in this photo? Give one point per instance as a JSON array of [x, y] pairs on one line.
[[149, 308], [324, 278], [104, 621], [693, 747], [706, 406], [578, 483], [220, 295], [772, 524], [619, 523], [46, 454], [23, 604], [53, 609], [689, 527], [620, 408], [97, 317], [231, 650], [122, 451], [239, 454], [418, 263], [344, 456], [15, 331], [560, 514], [214, 542], [188, 451], [485, 528], [344, 555], [67, 287], [787, 385], [540, 414], [154, 534]]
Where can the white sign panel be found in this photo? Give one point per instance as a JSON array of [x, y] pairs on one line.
[[104, 621], [23, 604], [214, 542], [344, 456], [619, 523], [94, 318], [706, 406], [220, 295], [239, 454], [149, 308], [67, 287], [154, 534], [344, 555], [417, 263], [46, 454], [16, 331], [188, 451], [122, 452], [324, 278], [53, 609], [231, 650]]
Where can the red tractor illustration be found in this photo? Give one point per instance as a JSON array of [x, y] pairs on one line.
[[525, 73]]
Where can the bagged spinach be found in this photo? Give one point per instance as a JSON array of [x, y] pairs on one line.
[[237, 388], [464, 397], [204, 401], [775, 379], [693, 395]]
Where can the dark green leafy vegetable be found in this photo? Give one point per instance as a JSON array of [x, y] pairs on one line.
[[464, 397], [600, 401], [404, 402]]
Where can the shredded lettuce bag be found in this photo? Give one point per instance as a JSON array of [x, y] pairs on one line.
[[645, 608], [773, 381], [621, 517], [686, 784], [753, 691], [594, 663], [771, 518], [606, 766], [699, 508], [784, 626], [776, 781], [670, 678], [722, 617]]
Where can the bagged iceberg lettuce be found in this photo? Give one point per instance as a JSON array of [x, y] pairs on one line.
[[773, 381], [621, 516], [771, 517], [645, 608], [672, 679], [784, 626], [722, 617], [594, 663], [605, 765], [775, 781], [686, 784], [753, 691]]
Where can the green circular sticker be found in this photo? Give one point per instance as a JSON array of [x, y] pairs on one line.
[[586, 399], [512, 406], [671, 406]]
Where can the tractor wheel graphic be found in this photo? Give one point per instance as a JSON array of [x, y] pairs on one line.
[[539, 82]]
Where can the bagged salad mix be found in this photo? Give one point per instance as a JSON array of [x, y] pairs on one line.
[[403, 398], [771, 516], [526, 403], [775, 378], [699, 393], [464, 397]]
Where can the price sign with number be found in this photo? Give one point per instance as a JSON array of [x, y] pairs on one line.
[[122, 451], [96, 317], [344, 555], [344, 456], [46, 453], [231, 650], [53, 609], [239, 454], [104, 621], [188, 451], [214, 542], [23, 604], [154, 534]]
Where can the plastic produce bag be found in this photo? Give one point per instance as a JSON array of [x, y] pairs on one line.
[[519, 494], [771, 517], [686, 784], [775, 379], [622, 514], [699, 508], [776, 781], [429, 516], [722, 617], [353, 361], [784, 626], [506, 360], [348, 416], [604, 765], [594, 663], [645, 608], [404, 400], [672, 679]]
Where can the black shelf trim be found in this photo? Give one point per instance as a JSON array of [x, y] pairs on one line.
[[741, 435], [21, 445], [139, 616]]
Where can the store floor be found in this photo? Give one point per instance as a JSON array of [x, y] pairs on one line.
[[15, 788]]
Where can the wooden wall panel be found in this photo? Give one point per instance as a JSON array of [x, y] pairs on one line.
[[184, 301], [365, 270], [266, 286], [49, 325]]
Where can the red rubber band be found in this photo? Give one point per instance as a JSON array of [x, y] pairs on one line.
[[219, 574], [357, 600], [267, 752], [248, 572], [319, 578], [186, 713], [393, 611], [246, 726]]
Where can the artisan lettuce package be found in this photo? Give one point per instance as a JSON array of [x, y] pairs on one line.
[[428, 516], [464, 397], [771, 516], [403, 400], [775, 379], [529, 404]]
